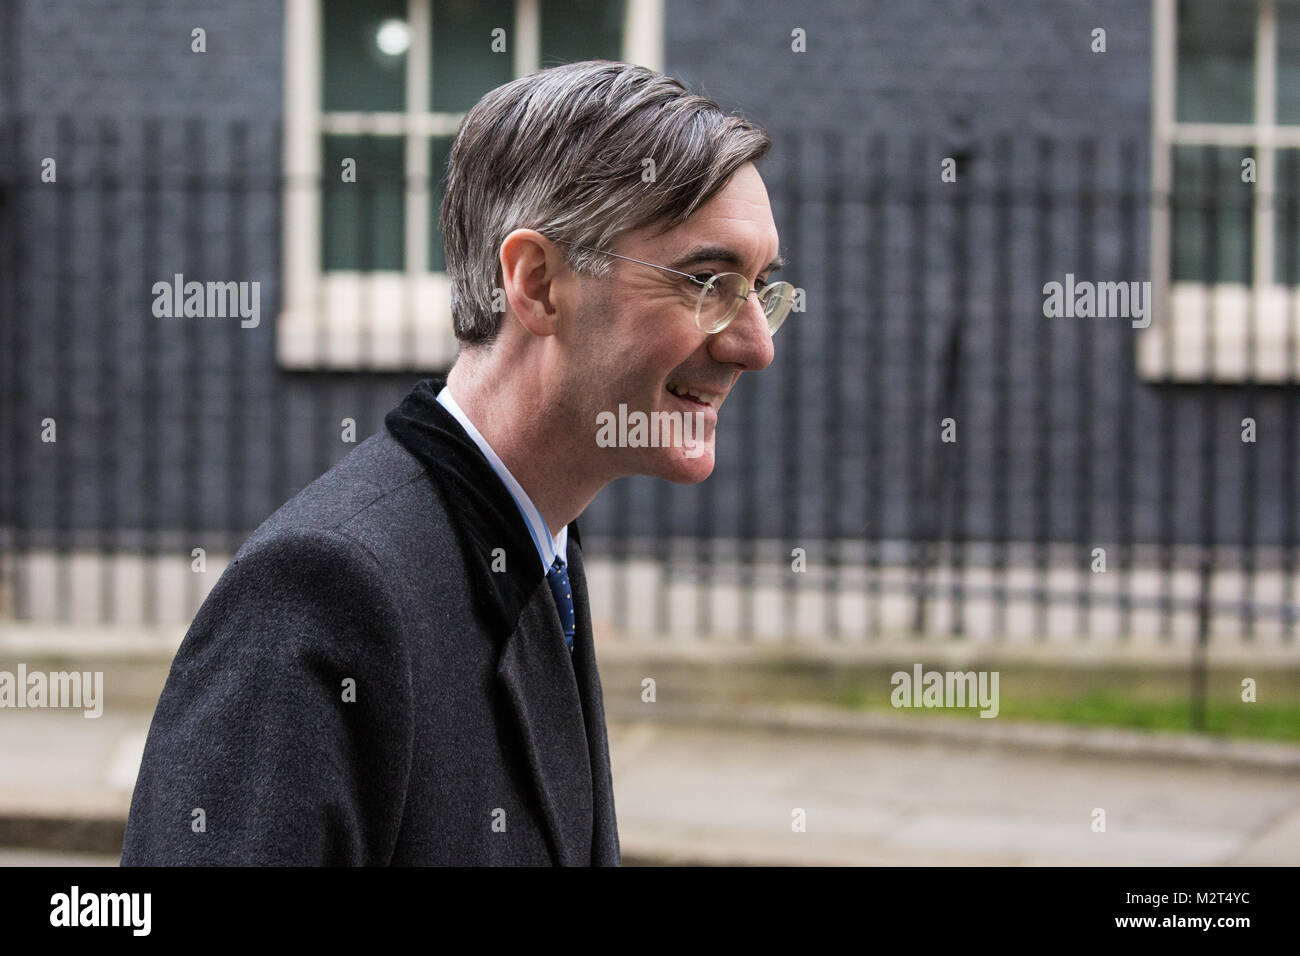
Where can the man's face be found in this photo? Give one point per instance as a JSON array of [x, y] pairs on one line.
[[636, 334]]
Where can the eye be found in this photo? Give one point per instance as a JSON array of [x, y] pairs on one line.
[[704, 276]]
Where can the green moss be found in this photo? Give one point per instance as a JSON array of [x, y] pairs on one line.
[[1156, 700]]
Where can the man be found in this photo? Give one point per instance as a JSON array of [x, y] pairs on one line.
[[398, 666]]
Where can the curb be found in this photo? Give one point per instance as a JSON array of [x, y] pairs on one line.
[[68, 833], [1117, 743]]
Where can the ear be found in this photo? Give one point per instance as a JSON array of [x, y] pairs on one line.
[[536, 279]]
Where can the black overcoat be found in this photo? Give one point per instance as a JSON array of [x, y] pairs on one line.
[[379, 677]]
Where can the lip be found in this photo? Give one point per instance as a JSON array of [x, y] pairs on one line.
[[709, 412], [720, 390]]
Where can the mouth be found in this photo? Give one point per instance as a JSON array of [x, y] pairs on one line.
[[695, 396]]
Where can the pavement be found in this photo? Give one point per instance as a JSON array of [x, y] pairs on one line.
[[695, 793], [725, 795], [710, 778]]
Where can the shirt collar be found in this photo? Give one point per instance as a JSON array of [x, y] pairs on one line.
[[549, 546]]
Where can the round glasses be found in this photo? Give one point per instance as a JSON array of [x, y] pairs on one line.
[[722, 295]]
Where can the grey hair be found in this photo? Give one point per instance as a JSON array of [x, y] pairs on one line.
[[562, 151]]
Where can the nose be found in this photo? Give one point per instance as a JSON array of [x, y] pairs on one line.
[[747, 341]]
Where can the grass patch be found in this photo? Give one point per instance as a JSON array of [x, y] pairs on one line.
[[1144, 699]]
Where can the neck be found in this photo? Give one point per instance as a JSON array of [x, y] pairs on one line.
[[516, 407]]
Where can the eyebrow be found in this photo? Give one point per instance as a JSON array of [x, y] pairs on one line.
[[721, 254]]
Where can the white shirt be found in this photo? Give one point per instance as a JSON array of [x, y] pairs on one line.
[[549, 546]]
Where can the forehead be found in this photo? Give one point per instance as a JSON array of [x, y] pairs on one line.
[[738, 218]]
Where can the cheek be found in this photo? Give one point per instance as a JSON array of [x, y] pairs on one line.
[[650, 346], [640, 345]]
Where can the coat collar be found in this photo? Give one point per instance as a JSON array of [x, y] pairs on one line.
[[556, 700]]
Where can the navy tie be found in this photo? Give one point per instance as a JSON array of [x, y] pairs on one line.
[[558, 578]]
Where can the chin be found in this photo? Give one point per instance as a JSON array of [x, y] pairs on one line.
[[674, 465]]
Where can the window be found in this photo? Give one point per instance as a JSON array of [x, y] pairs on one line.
[[1226, 156], [374, 93]]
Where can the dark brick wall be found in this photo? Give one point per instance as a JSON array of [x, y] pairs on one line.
[[192, 425]]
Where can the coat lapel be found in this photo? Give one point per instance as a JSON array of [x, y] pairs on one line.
[[539, 682], [540, 679], [605, 848]]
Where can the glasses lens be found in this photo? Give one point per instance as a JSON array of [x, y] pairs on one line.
[[777, 299], [720, 300]]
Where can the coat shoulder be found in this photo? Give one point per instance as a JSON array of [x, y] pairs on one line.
[[379, 515], [378, 474]]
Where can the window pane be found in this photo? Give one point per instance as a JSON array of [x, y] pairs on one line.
[[1286, 218], [1216, 61], [439, 148], [1212, 215], [581, 30], [1288, 61], [362, 221], [364, 64], [464, 65]]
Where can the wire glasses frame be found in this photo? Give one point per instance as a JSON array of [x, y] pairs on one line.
[[722, 295]]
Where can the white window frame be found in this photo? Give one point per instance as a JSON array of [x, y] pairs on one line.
[[1174, 349], [389, 320]]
